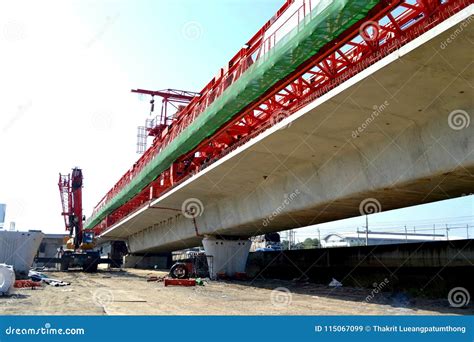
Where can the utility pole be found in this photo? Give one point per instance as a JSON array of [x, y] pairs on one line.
[[406, 234], [467, 231], [434, 231], [289, 240], [447, 232], [319, 237]]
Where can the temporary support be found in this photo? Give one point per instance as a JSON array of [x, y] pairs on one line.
[[227, 256]]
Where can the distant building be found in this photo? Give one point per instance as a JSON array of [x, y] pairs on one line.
[[269, 241], [377, 238]]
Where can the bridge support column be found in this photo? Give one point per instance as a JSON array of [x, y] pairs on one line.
[[226, 256]]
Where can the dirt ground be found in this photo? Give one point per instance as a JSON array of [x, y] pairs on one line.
[[127, 292]]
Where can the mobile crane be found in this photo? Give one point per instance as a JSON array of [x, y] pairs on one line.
[[80, 245]]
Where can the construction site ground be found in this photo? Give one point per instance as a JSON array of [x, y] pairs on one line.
[[127, 292]]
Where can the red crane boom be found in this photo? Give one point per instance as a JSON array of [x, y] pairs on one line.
[[70, 189]]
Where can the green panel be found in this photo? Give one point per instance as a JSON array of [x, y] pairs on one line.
[[326, 22]]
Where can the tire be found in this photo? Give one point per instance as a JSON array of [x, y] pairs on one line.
[[179, 271], [64, 266], [90, 267]]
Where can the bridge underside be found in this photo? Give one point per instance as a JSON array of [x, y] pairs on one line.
[[384, 135]]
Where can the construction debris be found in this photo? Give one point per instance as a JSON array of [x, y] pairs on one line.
[[7, 279], [335, 283], [222, 276], [36, 276], [41, 277], [55, 282], [240, 276], [180, 282], [25, 284], [155, 278]]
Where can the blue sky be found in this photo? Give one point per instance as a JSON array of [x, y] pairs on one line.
[[149, 37], [68, 67], [457, 213]]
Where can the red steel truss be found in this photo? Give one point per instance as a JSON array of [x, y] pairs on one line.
[[390, 25], [70, 190], [173, 97]]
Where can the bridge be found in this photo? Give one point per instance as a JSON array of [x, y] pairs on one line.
[[330, 111]]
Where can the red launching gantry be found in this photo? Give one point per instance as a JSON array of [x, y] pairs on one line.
[[389, 25], [155, 127]]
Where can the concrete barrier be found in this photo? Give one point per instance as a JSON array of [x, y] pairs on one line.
[[429, 267]]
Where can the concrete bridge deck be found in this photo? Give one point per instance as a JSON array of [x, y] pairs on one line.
[[384, 137]]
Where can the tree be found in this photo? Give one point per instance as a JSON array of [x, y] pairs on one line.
[[310, 243], [306, 244]]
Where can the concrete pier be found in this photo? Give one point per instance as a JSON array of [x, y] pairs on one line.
[[226, 256]]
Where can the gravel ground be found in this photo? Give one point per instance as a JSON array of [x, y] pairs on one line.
[[128, 293]]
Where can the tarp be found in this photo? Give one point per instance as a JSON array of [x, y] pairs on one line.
[[327, 21]]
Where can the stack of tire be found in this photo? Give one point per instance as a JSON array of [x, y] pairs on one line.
[[7, 279]]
